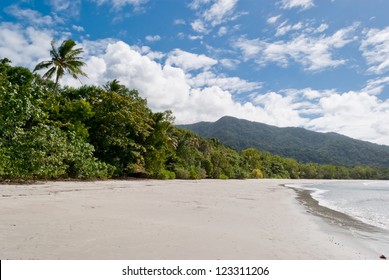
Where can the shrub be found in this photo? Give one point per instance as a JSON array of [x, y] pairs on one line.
[[257, 174], [166, 175], [182, 173]]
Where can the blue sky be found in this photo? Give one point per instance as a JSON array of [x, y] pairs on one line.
[[318, 64]]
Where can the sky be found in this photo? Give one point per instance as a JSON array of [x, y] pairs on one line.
[[318, 64]]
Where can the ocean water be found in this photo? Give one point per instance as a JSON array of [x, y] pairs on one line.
[[366, 201], [363, 208]]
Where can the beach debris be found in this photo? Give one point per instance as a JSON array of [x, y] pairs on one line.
[[382, 257]]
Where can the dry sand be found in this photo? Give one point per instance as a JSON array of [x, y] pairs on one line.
[[149, 219]]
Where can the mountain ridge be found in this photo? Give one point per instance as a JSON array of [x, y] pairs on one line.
[[295, 142]]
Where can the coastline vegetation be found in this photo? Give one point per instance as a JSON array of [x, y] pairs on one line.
[[99, 132]]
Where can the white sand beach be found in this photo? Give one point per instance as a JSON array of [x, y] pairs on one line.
[[150, 219]]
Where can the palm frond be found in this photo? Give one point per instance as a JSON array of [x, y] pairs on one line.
[[66, 47], [49, 74], [43, 65]]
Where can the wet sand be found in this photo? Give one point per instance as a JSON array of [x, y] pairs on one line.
[[150, 219]]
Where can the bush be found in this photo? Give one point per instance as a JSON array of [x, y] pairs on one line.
[[182, 173], [256, 174], [197, 173], [166, 175]]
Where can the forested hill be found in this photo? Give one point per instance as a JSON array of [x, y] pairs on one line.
[[297, 143]]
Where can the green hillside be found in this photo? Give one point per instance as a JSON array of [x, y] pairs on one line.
[[298, 143]]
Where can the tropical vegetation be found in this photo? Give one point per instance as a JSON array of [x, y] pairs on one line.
[[99, 132]]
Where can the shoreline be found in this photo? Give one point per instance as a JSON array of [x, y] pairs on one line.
[[179, 219], [366, 235]]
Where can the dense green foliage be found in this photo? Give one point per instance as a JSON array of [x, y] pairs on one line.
[[298, 143], [49, 132]]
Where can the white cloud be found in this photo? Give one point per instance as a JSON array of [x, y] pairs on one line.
[[314, 53], [189, 61], [218, 12], [376, 86], [229, 63], [280, 110], [211, 103], [212, 13], [250, 48], [195, 37], [96, 48], [70, 7], [303, 4], [152, 38], [323, 27], [285, 28], [118, 4], [164, 86], [355, 114], [375, 49], [146, 50], [199, 26], [222, 31], [273, 20], [31, 16], [78, 28], [231, 84], [196, 4], [24, 46]]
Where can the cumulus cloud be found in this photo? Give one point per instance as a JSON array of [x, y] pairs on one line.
[[303, 4], [375, 49], [314, 53], [24, 46], [355, 114], [189, 61]]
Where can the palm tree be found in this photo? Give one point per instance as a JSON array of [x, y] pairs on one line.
[[114, 86], [65, 59]]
